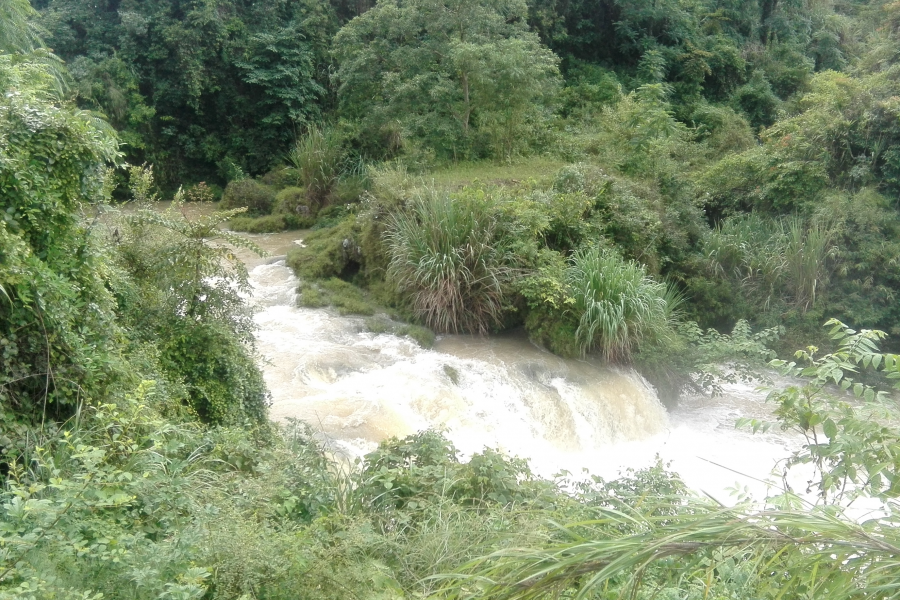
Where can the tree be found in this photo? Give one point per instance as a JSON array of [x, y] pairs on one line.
[[465, 77], [18, 32], [197, 85], [57, 339]]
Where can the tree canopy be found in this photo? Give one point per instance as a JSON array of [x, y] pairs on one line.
[[466, 78]]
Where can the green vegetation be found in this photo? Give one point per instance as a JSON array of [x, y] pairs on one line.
[[247, 193], [678, 547], [620, 177], [619, 306], [465, 79], [721, 146], [447, 254], [125, 502]]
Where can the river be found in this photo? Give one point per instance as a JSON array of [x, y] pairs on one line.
[[358, 388], [503, 392]]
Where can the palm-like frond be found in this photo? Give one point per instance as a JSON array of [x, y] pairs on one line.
[[782, 554], [18, 31]]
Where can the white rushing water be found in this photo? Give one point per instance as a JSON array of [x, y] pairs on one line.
[[501, 392]]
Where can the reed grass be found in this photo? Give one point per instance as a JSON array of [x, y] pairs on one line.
[[773, 554], [618, 304], [788, 259], [447, 255], [319, 160]]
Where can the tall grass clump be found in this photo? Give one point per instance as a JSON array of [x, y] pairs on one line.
[[807, 251], [618, 304], [787, 260], [318, 158], [447, 254]]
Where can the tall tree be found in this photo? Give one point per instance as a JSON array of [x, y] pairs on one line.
[[463, 76]]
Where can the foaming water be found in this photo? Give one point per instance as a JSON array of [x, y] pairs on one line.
[[359, 388]]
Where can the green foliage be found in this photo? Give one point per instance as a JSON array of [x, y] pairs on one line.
[[850, 443], [404, 474], [704, 550], [673, 545], [782, 262], [59, 340], [465, 80], [448, 255], [588, 87], [18, 32], [697, 361], [292, 201], [184, 294], [318, 159], [250, 194], [618, 307], [196, 86], [757, 100]]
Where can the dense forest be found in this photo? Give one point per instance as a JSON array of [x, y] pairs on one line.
[[743, 152], [673, 184]]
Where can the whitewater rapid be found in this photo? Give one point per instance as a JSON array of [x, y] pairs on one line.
[[358, 388]]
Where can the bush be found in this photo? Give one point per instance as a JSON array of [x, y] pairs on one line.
[[757, 100], [616, 304], [318, 158], [200, 193], [266, 224], [224, 382], [448, 256], [348, 189], [292, 201], [785, 262], [184, 296], [258, 198], [279, 177]]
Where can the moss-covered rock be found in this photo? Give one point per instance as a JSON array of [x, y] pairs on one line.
[[292, 201], [266, 224], [331, 252]]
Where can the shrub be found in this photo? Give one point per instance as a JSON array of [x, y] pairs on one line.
[[723, 130], [183, 294], [224, 382], [448, 256], [266, 224], [292, 201], [618, 306], [348, 189], [318, 158], [757, 100], [258, 198], [279, 177], [199, 193], [787, 261]]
